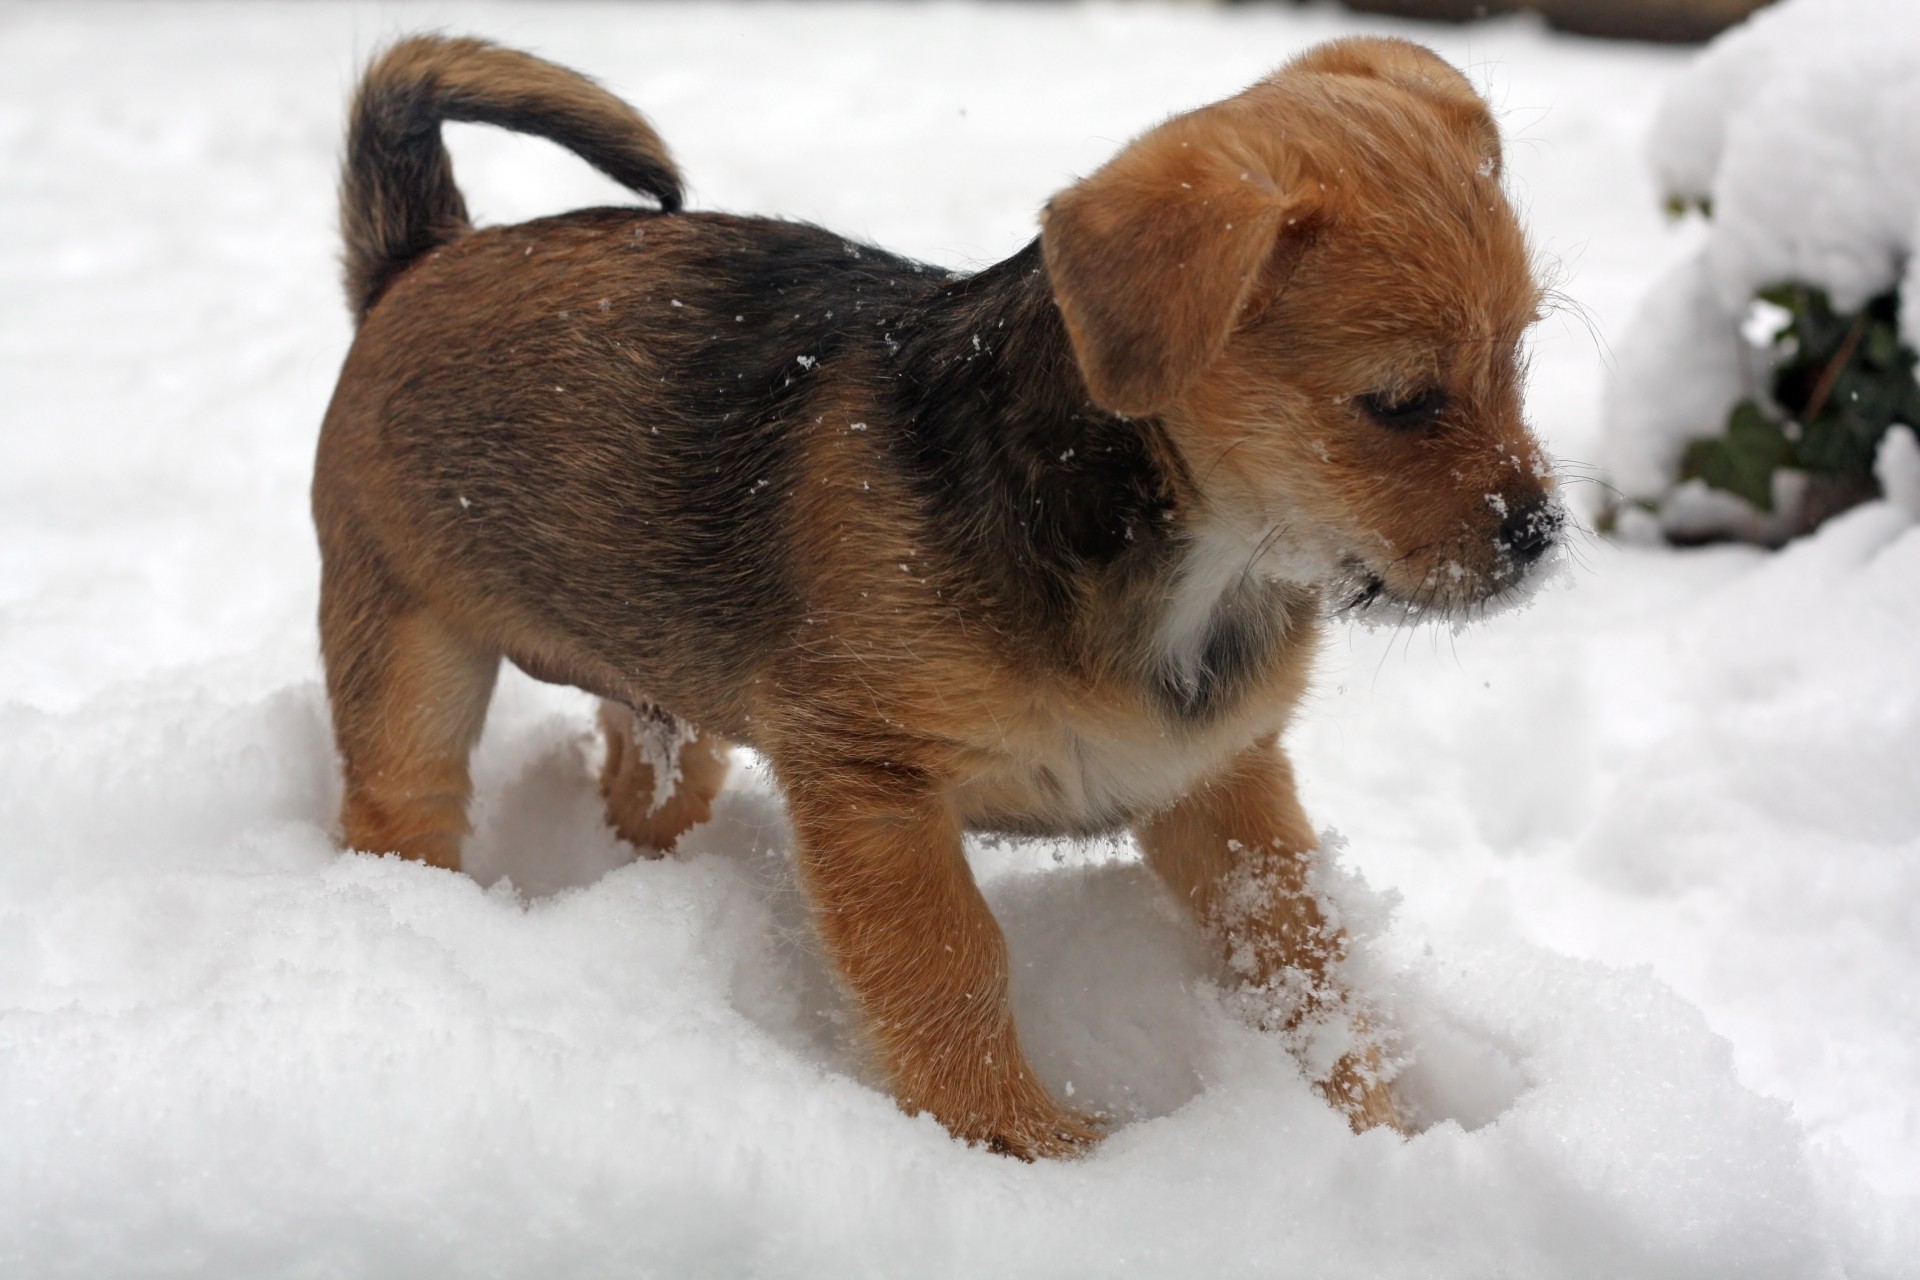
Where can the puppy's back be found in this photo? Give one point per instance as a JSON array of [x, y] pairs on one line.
[[589, 431]]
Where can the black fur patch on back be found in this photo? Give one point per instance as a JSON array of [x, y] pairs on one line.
[[1033, 489]]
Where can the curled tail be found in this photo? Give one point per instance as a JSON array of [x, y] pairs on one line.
[[397, 196]]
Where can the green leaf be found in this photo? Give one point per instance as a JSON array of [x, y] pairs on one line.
[[1743, 461], [1679, 206], [1838, 381]]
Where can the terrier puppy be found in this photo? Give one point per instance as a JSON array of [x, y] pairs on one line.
[[1043, 549]]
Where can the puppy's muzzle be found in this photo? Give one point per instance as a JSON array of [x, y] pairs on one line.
[[1529, 532]]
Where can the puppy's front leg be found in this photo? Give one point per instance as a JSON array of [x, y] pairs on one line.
[[880, 857], [1238, 850]]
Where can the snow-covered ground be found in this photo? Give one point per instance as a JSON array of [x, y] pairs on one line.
[[1656, 842]]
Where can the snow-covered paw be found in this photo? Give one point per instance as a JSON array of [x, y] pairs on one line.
[[1059, 1134], [660, 777], [1358, 1089]]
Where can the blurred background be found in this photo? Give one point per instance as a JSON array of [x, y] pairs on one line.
[[1634, 873], [1664, 20]]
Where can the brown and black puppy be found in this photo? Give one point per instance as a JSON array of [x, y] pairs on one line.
[[1042, 549]]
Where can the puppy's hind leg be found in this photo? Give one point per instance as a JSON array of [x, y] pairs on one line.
[[409, 695], [661, 775]]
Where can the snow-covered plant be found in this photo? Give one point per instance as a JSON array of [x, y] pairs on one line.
[[1837, 383], [1761, 376]]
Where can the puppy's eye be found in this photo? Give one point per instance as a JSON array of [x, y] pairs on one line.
[[1404, 412]]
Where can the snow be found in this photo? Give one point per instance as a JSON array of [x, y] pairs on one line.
[[1801, 129], [1638, 869], [1896, 465]]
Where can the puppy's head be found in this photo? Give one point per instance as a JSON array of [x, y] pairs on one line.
[[1320, 290]]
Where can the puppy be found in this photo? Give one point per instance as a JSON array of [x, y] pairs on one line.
[[1042, 549]]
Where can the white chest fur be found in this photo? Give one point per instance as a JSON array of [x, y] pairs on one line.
[[1088, 778], [1088, 763], [1217, 564]]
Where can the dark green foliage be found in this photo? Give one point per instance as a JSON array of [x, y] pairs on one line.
[[1680, 206], [1839, 381], [1743, 460]]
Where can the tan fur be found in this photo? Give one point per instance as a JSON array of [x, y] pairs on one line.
[[1237, 849], [509, 468]]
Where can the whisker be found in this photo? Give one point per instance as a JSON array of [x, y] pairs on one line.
[[1222, 456], [1261, 548], [1556, 301]]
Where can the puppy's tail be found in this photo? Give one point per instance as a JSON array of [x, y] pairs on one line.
[[397, 197]]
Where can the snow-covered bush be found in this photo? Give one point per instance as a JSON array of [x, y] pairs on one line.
[[1753, 393]]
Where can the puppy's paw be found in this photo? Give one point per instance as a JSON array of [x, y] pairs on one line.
[[660, 777], [1359, 1090], [1010, 1112], [1062, 1134]]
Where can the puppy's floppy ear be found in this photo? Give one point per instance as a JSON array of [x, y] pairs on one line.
[[1421, 72], [1155, 257]]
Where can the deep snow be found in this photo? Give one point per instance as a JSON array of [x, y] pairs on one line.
[[1656, 841]]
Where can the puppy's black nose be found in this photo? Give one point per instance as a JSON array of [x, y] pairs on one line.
[[1529, 530]]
